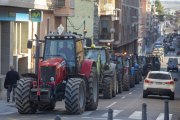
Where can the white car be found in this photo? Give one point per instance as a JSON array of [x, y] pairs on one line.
[[159, 83]]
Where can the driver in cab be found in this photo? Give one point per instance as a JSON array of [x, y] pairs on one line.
[[65, 50]]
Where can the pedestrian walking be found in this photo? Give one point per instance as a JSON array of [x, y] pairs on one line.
[[10, 82]]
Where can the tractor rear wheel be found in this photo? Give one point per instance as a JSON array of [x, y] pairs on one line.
[[120, 84], [48, 107], [114, 85], [75, 96], [93, 90], [126, 83], [136, 77], [23, 103], [132, 82], [107, 87]]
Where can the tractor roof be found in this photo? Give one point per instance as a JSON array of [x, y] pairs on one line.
[[63, 36], [97, 47]]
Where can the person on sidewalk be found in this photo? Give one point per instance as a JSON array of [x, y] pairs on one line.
[[10, 81]]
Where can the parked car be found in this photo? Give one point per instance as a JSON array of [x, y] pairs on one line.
[[159, 83], [178, 53], [171, 48], [172, 64]]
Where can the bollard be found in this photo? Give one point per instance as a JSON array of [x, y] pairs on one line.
[[110, 114], [166, 110], [57, 117], [144, 113]]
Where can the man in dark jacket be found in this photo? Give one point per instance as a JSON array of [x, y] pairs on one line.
[[11, 80]]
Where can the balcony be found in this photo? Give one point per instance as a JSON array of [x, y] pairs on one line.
[[107, 37], [56, 4], [108, 8]]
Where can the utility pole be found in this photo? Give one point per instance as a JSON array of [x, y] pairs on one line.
[[84, 33]]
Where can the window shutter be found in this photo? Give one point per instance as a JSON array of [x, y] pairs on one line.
[[72, 3]]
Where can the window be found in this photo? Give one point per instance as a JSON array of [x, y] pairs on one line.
[[159, 76], [48, 25], [72, 3], [120, 63], [147, 23], [105, 2], [104, 26]]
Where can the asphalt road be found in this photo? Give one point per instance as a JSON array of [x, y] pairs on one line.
[[126, 106]]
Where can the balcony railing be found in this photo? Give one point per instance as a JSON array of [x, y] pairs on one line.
[[105, 36], [107, 9], [53, 4]]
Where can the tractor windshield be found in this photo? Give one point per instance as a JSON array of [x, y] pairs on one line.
[[93, 54], [60, 48]]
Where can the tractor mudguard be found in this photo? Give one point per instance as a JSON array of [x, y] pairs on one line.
[[86, 67], [83, 77], [112, 68], [32, 75], [132, 70]]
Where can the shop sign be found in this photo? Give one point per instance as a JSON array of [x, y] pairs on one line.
[[36, 16]]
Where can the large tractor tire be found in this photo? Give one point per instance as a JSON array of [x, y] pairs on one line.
[[23, 103], [93, 89], [126, 83], [120, 84], [132, 82], [75, 96], [136, 77], [140, 76], [48, 107], [107, 87], [114, 85]]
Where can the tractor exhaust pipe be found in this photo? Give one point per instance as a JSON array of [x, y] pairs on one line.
[[37, 55]]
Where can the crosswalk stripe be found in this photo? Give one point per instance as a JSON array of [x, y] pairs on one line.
[[87, 113], [136, 115], [115, 112], [161, 116]]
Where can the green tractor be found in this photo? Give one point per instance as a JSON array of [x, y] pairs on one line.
[[108, 83]]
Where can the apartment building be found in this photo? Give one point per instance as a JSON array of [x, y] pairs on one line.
[[127, 26], [142, 26], [17, 26]]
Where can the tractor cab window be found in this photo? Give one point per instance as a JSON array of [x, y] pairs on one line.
[[93, 54], [142, 61], [120, 63], [63, 49], [126, 62]]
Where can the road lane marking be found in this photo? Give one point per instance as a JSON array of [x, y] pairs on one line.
[[99, 118], [123, 97], [6, 113], [115, 112], [136, 115], [161, 116], [87, 113], [111, 105], [130, 93]]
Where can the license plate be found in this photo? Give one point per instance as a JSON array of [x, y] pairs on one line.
[[158, 83]]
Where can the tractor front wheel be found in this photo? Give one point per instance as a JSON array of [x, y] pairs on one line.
[[23, 103], [107, 87], [136, 77], [48, 107], [132, 82], [75, 96], [120, 84], [126, 83], [93, 89]]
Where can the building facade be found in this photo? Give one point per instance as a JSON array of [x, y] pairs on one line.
[[127, 26], [142, 26], [17, 27]]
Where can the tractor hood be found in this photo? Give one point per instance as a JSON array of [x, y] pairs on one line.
[[54, 62]]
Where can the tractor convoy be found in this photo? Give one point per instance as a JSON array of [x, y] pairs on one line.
[[77, 74]]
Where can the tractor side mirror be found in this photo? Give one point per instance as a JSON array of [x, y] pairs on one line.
[[29, 44], [88, 42]]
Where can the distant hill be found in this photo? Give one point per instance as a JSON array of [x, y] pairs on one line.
[[171, 4]]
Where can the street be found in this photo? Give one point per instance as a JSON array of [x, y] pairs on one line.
[[126, 106]]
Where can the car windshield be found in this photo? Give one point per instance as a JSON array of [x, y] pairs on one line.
[[159, 76], [93, 54]]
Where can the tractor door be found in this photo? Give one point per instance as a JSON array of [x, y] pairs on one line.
[[79, 55]]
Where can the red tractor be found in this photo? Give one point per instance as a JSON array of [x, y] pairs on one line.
[[63, 73]]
